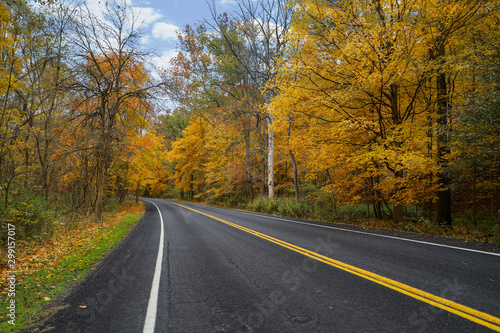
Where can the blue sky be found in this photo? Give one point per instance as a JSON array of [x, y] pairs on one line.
[[163, 17]]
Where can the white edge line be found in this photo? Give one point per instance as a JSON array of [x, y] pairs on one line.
[[385, 236], [363, 232], [149, 323]]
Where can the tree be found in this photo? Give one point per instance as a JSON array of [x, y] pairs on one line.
[[355, 69], [261, 26], [376, 79], [146, 161], [189, 156], [474, 160], [112, 84]]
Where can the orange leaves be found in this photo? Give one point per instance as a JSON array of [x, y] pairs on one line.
[[147, 156]]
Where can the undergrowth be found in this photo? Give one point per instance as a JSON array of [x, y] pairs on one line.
[[487, 230], [46, 270]]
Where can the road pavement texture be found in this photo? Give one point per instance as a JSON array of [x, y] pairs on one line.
[[194, 268]]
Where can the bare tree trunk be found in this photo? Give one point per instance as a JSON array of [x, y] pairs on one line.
[[377, 205], [270, 157]]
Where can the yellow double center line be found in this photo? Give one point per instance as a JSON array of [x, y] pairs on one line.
[[442, 303]]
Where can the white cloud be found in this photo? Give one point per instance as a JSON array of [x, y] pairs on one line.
[[164, 59], [159, 63], [165, 31], [146, 15]]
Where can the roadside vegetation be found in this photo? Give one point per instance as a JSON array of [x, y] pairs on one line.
[[487, 228], [62, 254], [416, 219]]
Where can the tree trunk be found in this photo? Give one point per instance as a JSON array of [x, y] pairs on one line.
[[137, 191], [263, 161], [101, 174], [398, 210], [397, 214], [295, 174], [443, 204], [247, 164], [270, 157], [474, 196], [294, 162]]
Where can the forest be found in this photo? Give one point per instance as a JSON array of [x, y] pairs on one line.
[[389, 108]]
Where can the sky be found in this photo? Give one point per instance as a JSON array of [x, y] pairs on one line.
[[163, 17]]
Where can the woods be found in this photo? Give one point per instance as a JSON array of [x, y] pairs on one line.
[[363, 102], [393, 105], [75, 96]]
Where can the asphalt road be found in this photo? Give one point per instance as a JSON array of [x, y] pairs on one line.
[[220, 270]]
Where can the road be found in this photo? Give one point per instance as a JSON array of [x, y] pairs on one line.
[[219, 270]]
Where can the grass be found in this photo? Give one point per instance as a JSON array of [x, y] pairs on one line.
[[46, 272]]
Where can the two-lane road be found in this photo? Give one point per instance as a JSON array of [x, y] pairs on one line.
[[219, 270]]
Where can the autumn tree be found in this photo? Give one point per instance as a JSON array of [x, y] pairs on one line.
[[446, 25], [208, 81], [146, 162], [376, 80], [261, 27], [474, 160], [189, 156], [112, 84], [32, 103]]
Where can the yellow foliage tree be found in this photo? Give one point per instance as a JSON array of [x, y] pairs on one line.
[[361, 75], [188, 157], [146, 165]]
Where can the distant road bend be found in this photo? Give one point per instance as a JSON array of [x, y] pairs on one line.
[[194, 268]]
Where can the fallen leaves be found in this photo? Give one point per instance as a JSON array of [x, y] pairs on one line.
[[57, 252]]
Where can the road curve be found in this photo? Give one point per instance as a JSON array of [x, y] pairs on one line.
[[222, 270]]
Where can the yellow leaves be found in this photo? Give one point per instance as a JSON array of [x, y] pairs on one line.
[[188, 154]]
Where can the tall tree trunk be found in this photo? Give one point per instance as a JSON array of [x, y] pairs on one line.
[[102, 164], [294, 162], [137, 191], [474, 196], [443, 204], [397, 213], [377, 205], [247, 164], [295, 174], [263, 160], [270, 157], [101, 181]]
